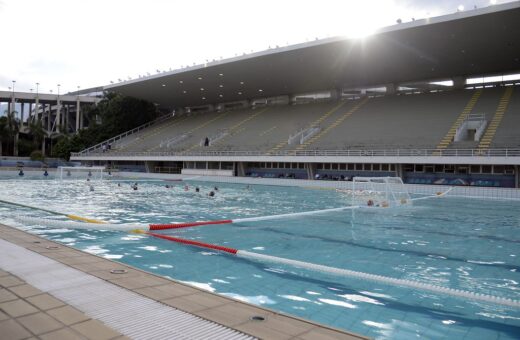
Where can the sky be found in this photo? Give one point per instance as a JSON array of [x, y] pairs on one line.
[[90, 43]]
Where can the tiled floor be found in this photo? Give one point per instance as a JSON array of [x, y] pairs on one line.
[[26, 312]]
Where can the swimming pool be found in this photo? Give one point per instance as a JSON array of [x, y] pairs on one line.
[[468, 244]]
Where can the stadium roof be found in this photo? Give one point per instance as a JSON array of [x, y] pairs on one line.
[[476, 42]]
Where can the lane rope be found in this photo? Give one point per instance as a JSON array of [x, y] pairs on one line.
[[346, 272], [71, 216]]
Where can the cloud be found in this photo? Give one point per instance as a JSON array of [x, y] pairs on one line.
[[89, 43]]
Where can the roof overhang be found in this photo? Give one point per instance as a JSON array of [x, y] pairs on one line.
[[477, 42]]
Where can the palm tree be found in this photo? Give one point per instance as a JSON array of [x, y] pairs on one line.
[[3, 132], [12, 128], [38, 133]]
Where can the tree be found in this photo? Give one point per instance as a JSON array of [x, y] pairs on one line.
[[38, 134], [118, 114], [9, 129]]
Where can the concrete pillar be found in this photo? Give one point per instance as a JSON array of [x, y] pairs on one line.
[[399, 171], [48, 117], [13, 103], [459, 82], [58, 114], [37, 108], [391, 88], [77, 115], [311, 170], [241, 169], [30, 111], [21, 113], [517, 177]]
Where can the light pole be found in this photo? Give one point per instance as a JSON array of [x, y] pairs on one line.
[[37, 84]]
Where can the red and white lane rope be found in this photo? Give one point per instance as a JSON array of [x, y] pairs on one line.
[[345, 272]]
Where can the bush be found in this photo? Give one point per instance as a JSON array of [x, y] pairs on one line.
[[36, 155]]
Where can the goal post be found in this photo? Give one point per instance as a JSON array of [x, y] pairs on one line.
[[80, 172], [380, 192]]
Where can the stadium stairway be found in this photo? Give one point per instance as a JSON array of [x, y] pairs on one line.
[[448, 138], [491, 129], [337, 122], [507, 134], [316, 122]]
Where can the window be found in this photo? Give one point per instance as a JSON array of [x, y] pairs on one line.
[[359, 166], [439, 168], [320, 166], [215, 165], [226, 165], [486, 169], [384, 167], [392, 167], [301, 166], [498, 169], [449, 168], [408, 167], [510, 169], [343, 166], [376, 167], [474, 169], [462, 169], [367, 167], [419, 168], [350, 166], [428, 168], [200, 165]]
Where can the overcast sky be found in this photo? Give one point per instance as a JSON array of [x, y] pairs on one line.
[[88, 43]]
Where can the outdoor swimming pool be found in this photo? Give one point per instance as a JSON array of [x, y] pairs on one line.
[[468, 244]]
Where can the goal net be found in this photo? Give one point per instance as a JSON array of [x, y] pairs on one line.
[[80, 172], [382, 192]]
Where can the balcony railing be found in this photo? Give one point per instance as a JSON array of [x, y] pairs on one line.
[[313, 153]]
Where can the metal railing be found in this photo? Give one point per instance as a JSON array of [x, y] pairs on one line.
[[124, 134], [321, 153]]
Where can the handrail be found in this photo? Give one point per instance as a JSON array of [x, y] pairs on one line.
[[327, 153], [127, 133]]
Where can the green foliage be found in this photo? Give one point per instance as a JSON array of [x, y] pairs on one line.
[[9, 127], [25, 147], [36, 155], [118, 114]]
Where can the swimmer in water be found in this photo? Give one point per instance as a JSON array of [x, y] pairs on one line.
[[91, 188], [197, 189], [186, 188], [211, 194]]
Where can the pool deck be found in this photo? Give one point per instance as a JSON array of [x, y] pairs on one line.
[[28, 312]]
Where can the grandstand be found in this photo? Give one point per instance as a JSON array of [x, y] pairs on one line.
[[401, 103]]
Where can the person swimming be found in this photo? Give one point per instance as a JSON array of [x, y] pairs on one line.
[[167, 186], [186, 188], [91, 188], [215, 188], [211, 194], [46, 173], [134, 186], [197, 189], [21, 173]]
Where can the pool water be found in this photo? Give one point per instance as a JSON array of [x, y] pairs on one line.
[[467, 244]]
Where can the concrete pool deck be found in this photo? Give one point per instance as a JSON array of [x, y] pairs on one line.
[[29, 312]]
